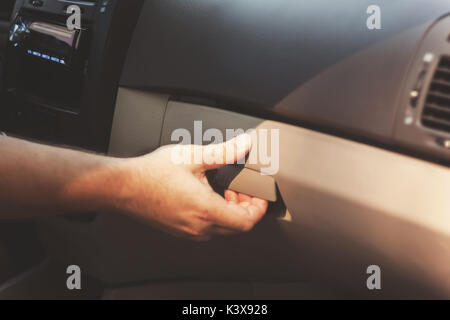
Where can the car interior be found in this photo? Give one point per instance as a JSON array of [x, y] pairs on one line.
[[364, 143]]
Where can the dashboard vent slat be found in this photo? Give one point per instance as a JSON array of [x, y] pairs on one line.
[[441, 86], [439, 108], [436, 113], [442, 74], [445, 62], [436, 123]]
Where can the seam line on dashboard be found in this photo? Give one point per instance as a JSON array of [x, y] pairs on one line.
[[163, 121]]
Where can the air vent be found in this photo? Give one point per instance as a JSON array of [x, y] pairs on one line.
[[436, 113]]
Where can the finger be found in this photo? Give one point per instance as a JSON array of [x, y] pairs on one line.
[[260, 203], [231, 196], [219, 155], [233, 216], [244, 204], [244, 198], [255, 206], [256, 211]]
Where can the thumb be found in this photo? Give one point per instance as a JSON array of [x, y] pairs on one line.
[[219, 155]]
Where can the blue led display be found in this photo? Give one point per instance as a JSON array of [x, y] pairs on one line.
[[46, 56]]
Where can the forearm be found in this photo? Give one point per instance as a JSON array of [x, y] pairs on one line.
[[38, 180], [41, 180]]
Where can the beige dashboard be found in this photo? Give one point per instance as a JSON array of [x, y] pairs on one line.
[[348, 194]]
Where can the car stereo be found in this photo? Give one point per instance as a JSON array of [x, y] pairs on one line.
[[44, 40], [48, 61], [60, 84]]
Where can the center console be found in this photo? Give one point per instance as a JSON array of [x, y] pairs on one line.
[[60, 84]]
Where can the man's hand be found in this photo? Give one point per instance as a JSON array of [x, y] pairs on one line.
[[179, 199], [38, 180]]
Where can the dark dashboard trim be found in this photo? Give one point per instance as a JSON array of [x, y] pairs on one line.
[[325, 73]]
